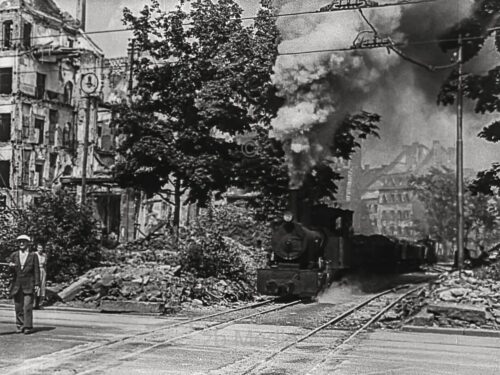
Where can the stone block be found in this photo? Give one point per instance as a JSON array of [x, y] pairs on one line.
[[132, 307], [464, 312], [423, 318]]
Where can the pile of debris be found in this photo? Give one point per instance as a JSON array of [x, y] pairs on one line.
[[455, 300], [140, 277], [162, 284]]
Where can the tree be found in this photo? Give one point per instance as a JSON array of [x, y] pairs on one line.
[[203, 77], [437, 191], [68, 232], [266, 172], [484, 90]]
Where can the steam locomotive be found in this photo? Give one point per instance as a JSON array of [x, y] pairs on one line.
[[313, 245]]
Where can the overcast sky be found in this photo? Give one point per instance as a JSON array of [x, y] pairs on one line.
[[107, 15]]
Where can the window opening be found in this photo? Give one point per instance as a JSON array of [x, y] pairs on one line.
[[27, 35], [7, 34], [5, 173], [39, 125], [5, 121], [40, 86], [5, 81]]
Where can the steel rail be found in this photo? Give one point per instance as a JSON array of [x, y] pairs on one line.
[[357, 332], [66, 354], [334, 320], [214, 326]]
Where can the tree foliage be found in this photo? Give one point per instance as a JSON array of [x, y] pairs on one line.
[[437, 191], [68, 232], [483, 89], [203, 77], [203, 81]]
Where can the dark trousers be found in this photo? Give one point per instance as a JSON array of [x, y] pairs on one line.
[[24, 309]]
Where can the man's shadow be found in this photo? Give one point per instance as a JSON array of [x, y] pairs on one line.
[[33, 331]]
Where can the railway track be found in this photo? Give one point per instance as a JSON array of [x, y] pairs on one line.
[[44, 362], [258, 367]]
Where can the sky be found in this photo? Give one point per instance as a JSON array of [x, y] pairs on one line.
[[107, 15], [409, 109]]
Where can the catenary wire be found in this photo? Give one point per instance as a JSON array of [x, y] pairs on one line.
[[248, 18], [304, 52]]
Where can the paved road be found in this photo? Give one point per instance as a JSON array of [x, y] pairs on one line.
[[61, 335]]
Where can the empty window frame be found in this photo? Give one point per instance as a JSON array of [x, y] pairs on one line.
[[68, 92], [5, 81], [26, 111], [40, 86], [7, 34], [27, 35], [53, 119], [5, 173], [39, 125], [5, 121], [38, 180]]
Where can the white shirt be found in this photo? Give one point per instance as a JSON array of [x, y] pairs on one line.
[[23, 255]]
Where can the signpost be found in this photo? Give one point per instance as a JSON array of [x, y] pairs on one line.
[[88, 84]]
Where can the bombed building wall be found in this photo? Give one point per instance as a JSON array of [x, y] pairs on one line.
[[42, 59]]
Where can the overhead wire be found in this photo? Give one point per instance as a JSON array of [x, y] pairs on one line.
[[322, 50], [248, 18]]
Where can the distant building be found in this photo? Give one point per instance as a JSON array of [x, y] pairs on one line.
[[389, 206], [348, 196]]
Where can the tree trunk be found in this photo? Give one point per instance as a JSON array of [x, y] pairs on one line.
[[177, 206]]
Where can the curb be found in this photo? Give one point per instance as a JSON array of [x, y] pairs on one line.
[[55, 308], [452, 331]]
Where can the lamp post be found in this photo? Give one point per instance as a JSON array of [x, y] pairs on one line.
[[89, 84]]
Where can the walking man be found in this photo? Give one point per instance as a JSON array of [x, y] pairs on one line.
[[25, 284]]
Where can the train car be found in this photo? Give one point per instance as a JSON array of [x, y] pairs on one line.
[[379, 254]]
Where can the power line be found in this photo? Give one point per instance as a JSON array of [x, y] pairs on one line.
[[304, 52], [248, 18]]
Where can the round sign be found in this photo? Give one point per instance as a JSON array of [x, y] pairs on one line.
[[89, 83]]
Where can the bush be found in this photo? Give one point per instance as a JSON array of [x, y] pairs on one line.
[[225, 243], [68, 232], [206, 254]]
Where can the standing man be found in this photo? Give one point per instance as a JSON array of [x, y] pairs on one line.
[[25, 284]]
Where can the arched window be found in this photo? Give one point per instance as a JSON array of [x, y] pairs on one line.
[[67, 136], [68, 92]]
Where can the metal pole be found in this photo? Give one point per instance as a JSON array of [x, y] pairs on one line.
[[460, 159], [85, 151], [131, 67]]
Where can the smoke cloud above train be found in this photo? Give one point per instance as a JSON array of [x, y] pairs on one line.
[[320, 88]]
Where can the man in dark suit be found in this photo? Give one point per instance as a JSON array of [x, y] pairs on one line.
[[25, 284]]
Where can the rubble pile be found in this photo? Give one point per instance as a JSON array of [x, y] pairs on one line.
[[138, 272], [153, 282], [467, 300]]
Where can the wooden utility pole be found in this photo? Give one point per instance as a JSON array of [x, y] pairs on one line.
[[460, 159]]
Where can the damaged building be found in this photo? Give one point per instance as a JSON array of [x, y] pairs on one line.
[[44, 53]]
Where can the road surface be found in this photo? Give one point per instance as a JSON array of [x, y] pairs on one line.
[[73, 342]]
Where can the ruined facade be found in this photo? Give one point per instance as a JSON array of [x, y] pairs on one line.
[[43, 55], [389, 205]]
